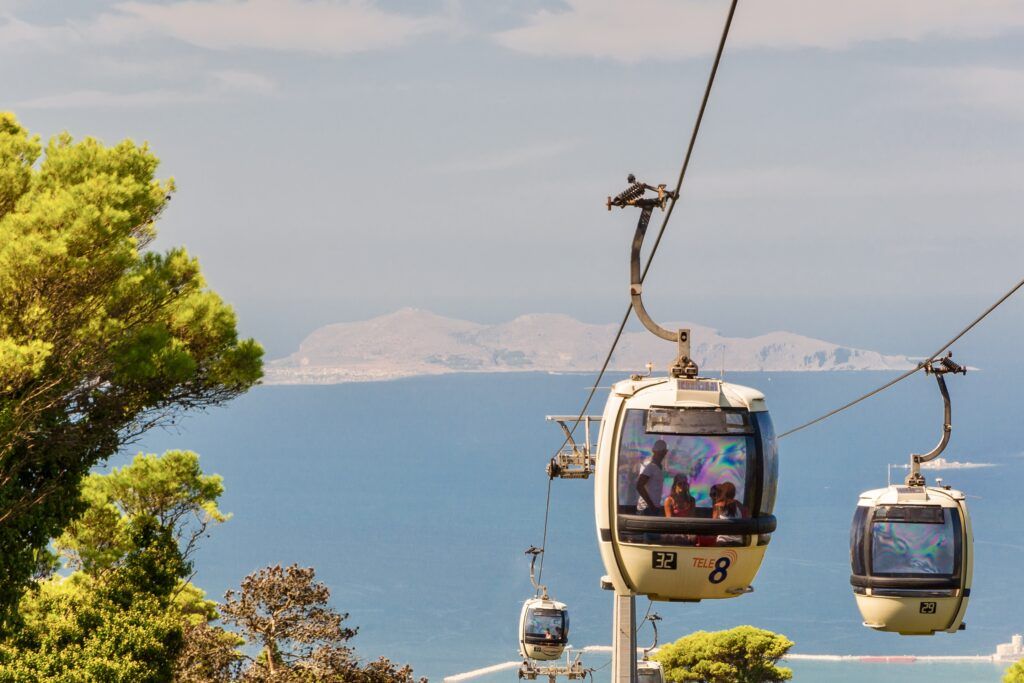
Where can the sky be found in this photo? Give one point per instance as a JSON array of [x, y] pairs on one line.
[[858, 175]]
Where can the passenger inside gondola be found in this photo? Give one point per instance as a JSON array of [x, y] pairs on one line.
[[651, 482], [727, 507], [680, 503], [544, 626], [673, 474]]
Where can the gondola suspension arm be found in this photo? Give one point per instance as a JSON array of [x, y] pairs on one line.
[[634, 195], [654, 619], [938, 368], [535, 552]]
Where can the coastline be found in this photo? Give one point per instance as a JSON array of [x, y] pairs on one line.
[[899, 659], [333, 376]]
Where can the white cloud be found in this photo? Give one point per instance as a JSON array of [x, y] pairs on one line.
[[19, 36], [244, 81], [990, 88], [166, 68], [676, 29], [102, 99], [512, 158], [312, 26], [309, 26], [220, 86]]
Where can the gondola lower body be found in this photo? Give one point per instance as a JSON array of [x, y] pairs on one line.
[[703, 566], [909, 610]]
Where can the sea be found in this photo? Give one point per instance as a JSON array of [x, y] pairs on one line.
[[415, 499]]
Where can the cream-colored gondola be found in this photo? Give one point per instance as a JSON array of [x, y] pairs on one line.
[[648, 670], [712, 438], [543, 622], [911, 547]]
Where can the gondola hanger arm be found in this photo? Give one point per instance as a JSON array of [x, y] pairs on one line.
[[938, 368], [636, 195]]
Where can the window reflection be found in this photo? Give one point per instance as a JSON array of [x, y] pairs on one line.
[[661, 474], [770, 453], [857, 540], [913, 547], [545, 626]]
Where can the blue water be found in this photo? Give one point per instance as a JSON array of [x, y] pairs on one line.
[[415, 499]]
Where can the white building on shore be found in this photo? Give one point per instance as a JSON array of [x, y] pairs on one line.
[[1011, 651]]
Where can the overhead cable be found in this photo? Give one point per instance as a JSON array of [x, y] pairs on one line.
[[910, 372], [668, 213], [654, 248]]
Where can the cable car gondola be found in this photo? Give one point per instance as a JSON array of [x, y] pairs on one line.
[[543, 628], [911, 547], [687, 470], [648, 670], [543, 622]]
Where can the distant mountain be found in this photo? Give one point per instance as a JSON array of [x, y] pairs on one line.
[[412, 342]]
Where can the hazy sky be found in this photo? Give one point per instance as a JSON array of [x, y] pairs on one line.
[[858, 178]]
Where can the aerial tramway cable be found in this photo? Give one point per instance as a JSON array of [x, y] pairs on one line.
[[908, 373], [673, 198], [654, 248]]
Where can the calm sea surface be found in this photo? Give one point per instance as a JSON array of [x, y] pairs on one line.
[[415, 499]]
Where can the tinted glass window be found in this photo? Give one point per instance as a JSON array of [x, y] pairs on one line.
[[770, 453], [545, 625], [701, 475], [913, 547], [857, 529]]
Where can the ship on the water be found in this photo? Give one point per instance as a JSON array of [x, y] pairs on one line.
[[943, 464]]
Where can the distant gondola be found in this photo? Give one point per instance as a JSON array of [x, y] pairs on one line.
[[543, 622], [911, 547], [648, 671], [543, 629]]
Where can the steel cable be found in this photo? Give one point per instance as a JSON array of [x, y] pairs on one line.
[[908, 373], [657, 241], [544, 540]]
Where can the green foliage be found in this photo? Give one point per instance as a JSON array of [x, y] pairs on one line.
[[740, 655], [118, 627], [126, 613], [1015, 673], [169, 488], [99, 339], [79, 633]]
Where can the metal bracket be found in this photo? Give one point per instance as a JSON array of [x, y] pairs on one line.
[[573, 670], [573, 462], [634, 196], [683, 365]]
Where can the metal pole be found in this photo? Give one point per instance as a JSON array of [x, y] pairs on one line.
[[624, 639]]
